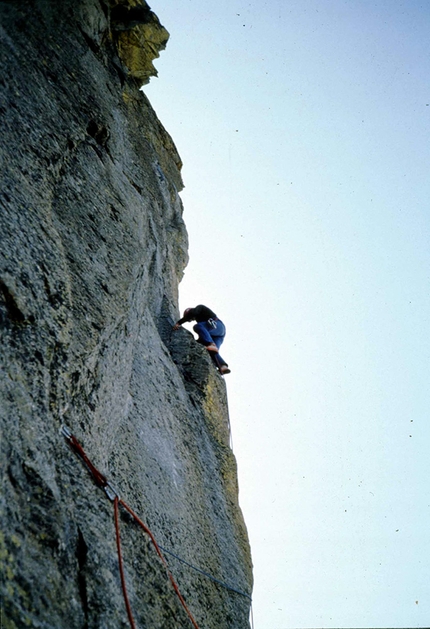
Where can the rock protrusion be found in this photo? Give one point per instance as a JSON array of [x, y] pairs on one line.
[[139, 37]]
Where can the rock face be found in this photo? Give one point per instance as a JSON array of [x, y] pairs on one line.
[[93, 246]]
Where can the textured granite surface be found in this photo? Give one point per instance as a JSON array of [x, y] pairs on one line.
[[92, 248]]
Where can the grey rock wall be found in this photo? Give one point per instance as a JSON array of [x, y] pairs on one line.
[[92, 248]]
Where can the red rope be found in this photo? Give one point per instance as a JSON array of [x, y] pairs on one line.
[[99, 478], [102, 482], [160, 554]]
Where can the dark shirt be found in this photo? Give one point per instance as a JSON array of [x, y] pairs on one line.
[[199, 313]]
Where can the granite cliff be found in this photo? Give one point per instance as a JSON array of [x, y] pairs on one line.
[[93, 246]]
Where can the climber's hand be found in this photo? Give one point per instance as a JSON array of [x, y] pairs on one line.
[[176, 326]]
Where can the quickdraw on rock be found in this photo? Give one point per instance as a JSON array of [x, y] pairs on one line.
[[102, 482]]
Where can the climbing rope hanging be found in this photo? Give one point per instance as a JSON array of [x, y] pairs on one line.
[[103, 483]]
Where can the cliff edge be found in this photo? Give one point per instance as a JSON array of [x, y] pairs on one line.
[[93, 246]]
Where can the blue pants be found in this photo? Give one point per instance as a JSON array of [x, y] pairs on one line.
[[208, 334]]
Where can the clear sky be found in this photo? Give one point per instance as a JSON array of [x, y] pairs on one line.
[[303, 126]]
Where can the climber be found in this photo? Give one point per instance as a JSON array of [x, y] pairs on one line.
[[211, 331]]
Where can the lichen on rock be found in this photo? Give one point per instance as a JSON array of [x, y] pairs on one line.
[[139, 37]]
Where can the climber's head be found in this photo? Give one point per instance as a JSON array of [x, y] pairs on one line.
[[186, 312]]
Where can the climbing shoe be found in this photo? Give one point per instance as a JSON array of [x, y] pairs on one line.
[[212, 347], [224, 369]]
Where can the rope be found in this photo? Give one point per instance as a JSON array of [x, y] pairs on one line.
[[102, 482], [99, 478], [160, 554], [206, 574]]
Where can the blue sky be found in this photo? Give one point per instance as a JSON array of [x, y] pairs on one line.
[[303, 128]]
